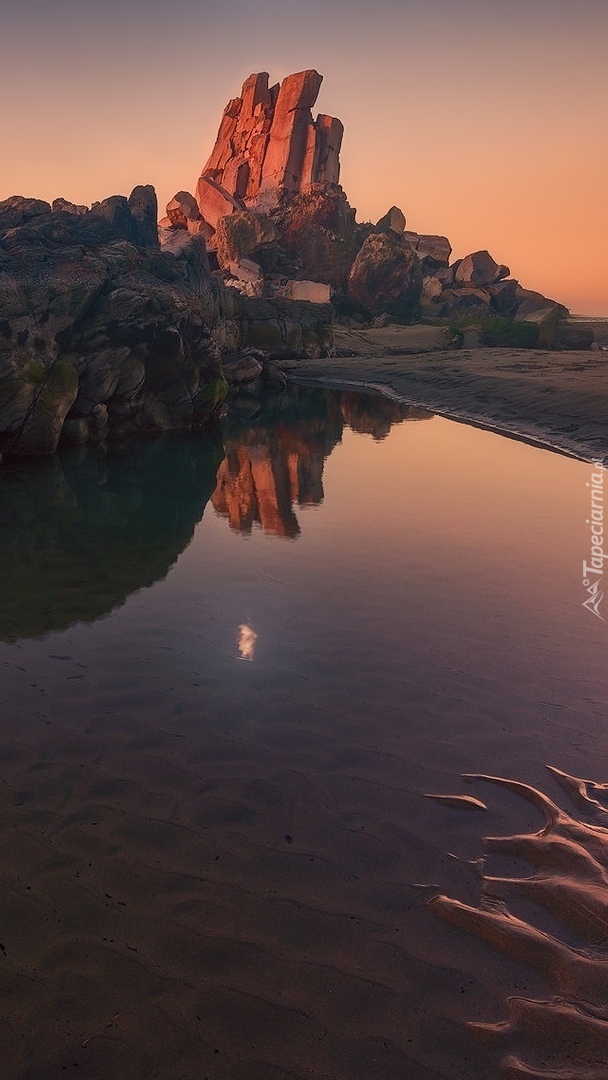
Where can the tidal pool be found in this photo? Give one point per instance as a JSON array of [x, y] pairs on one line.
[[232, 668]]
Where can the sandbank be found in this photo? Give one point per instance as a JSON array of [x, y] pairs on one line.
[[552, 398]]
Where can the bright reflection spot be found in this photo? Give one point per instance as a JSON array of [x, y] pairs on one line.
[[246, 642]]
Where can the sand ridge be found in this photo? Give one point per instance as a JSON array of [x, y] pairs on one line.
[[554, 399]]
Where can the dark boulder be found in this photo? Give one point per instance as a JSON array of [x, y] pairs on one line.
[[318, 232], [386, 277]]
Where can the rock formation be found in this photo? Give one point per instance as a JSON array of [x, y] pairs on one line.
[[100, 332], [103, 333], [269, 147], [272, 160], [269, 194], [386, 277]]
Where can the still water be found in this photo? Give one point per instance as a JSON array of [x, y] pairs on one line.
[[232, 667]]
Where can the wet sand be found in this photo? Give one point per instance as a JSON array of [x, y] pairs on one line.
[[563, 870], [554, 399]]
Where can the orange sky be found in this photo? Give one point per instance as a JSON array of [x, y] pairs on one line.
[[483, 119]]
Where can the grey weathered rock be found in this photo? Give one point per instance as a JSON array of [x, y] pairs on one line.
[[433, 251], [547, 320], [479, 268], [386, 277], [69, 207], [243, 234], [454, 302], [143, 208], [288, 327], [98, 329], [241, 368], [393, 220], [504, 296], [571, 336], [530, 301], [17, 210]]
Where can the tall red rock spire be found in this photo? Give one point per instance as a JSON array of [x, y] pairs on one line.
[[268, 146]]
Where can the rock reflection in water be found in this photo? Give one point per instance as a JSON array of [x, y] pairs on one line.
[[81, 531], [276, 460], [566, 1037]]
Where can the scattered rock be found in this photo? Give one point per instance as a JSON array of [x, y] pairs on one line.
[[529, 302], [246, 270], [241, 368], [393, 220], [504, 296], [182, 208], [433, 251], [454, 302], [479, 268]]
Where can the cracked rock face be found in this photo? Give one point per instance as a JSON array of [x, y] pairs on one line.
[[269, 147], [101, 333]]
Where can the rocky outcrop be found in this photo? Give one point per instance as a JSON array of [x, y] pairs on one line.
[[100, 333], [182, 212], [479, 286], [268, 147], [270, 191], [287, 328], [386, 277]]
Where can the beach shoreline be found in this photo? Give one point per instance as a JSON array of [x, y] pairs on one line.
[[557, 400]]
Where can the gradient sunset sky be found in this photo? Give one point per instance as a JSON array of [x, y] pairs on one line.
[[484, 120]]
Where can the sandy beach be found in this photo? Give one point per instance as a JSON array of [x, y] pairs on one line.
[[554, 399]]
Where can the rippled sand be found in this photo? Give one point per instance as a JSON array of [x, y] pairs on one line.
[[564, 871]]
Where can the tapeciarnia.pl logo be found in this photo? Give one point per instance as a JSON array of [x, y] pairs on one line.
[[593, 571]]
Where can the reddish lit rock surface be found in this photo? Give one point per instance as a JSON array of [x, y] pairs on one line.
[[269, 146], [319, 233], [279, 466]]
